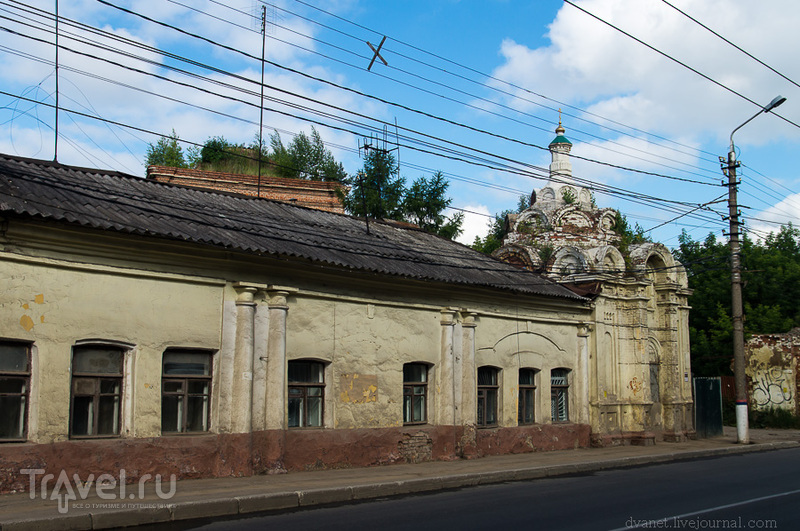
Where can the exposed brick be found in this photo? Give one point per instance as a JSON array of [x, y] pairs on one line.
[[320, 195]]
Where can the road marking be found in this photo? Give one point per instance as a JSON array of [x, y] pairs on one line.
[[647, 522]]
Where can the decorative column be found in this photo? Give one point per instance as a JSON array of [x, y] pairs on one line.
[[445, 374], [582, 398], [467, 385], [276, 357], [242, 399], [260, 357]]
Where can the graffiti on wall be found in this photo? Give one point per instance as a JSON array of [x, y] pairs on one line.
[[772, 388]]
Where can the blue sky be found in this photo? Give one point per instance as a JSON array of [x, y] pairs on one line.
[[483, 77]]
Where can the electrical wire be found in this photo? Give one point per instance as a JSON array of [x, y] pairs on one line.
[[664, 54]]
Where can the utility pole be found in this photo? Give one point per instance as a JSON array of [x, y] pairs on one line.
[[729, 168], [737, 312]]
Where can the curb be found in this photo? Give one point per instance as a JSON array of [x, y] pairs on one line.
[[277, 502]]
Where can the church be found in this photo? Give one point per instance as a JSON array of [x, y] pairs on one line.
[[640, 390]]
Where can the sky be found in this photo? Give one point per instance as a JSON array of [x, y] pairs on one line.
[[472, 89]]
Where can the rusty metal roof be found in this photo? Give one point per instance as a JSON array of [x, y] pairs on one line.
[[111, 201]]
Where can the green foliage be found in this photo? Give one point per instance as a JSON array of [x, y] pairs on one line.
[[523, 203], [216, 150], [771, 418], [378, 190], [497, 229], [628, 236], [568, 195], [774, 418], [305, 158], [425, 202], [771, 293], [546, 252], [166, 152]]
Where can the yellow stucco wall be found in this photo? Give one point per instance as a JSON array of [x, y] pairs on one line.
[[366, 345], [55, 304]]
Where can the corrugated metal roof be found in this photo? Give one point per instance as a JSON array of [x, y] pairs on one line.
[[113, 201]]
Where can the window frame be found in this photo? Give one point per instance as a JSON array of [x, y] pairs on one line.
[[409, 388], [24, 396], [482, 398], [527, 389], [303, 387], [98, 377], [556, 390], [185, 394]]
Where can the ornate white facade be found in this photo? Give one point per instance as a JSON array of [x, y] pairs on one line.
[[640, 375]]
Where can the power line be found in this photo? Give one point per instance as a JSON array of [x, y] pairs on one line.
[[474, 96], [504, 82], [664, 54], [748, 54], [607, 190]]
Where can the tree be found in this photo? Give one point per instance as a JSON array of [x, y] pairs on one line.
[[497, 229], [771, 293], [424, 204], [305, 158], [217, 150], [378, 190], [166, 152]]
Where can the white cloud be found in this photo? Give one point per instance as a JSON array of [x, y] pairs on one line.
[[591, 65], [769, 220], [476, 223]]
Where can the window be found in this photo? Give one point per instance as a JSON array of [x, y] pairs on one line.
[[96, 391], [487, 396], [559, 395], [15, 377], [527, 390], [306, 394], [185, 391], [415, 393]]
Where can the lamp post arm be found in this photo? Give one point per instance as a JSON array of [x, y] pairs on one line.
[[731, 150]]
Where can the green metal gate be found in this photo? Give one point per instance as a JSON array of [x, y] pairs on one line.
[[707, 407]]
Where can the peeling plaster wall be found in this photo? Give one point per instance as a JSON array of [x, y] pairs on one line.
[[366, 345], [54, 305], [772, 366], [73, 287]]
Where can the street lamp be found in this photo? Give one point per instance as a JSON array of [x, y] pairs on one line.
[[729, 168]]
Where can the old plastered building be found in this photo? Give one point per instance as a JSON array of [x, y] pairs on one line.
[[639, 389], [160, 329]]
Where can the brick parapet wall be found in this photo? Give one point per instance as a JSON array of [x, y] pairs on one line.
[[320, 195]]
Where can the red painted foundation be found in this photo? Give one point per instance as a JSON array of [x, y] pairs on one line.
[[224, 455]]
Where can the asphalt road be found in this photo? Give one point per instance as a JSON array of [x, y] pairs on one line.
[[750, 491]]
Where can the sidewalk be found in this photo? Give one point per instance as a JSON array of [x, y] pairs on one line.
[[205, 498]]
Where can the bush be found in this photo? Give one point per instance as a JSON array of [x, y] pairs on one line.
[[772, 418]]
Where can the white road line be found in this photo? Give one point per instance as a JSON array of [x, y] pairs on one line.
[[649, 522]]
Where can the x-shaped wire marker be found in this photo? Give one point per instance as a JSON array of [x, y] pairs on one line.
[[377, 53]]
